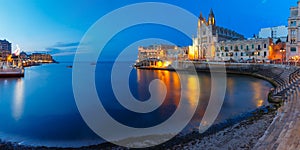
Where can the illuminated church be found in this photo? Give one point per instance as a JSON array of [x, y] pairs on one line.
[[208, 35], [216, 43]]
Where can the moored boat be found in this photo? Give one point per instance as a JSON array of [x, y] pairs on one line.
[[8, 71]]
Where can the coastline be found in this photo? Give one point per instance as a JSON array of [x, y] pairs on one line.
[[260, 119]]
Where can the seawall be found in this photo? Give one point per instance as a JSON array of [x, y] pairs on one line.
[[282, 77]]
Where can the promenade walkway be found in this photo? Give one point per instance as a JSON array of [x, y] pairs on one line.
[[284, 132]]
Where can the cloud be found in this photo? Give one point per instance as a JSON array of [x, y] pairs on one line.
[[62, 44], [64, 54], [62, 48]]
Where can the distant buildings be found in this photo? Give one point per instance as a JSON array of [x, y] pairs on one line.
[[243, 50], [279, 32], [5, 48], [293, 44], [162, 52], [215, 43], [41, 58]]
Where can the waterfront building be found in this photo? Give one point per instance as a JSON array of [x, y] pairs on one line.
[[293, 44], [5, 49], [162, 52], [208, 36], [278, 52], [23, 56], [214, 43], [41, 58], [243, 50], [278, 32]]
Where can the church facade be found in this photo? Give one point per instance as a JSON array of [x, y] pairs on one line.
[[215, 43]]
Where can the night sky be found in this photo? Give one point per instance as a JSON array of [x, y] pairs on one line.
[[57, 26]]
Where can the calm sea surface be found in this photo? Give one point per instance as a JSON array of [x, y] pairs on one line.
[[40, 109]]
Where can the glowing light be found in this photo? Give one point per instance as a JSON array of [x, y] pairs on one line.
[[159, 64], [18, 103], [167, 63], [259, 103], [191, 53]]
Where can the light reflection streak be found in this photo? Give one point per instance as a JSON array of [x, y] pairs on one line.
[[18, 101], [257, 93]]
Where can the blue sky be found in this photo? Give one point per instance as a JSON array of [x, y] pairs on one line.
[[57, 26]]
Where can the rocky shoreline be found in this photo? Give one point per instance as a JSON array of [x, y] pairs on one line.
[[243, 135], [239, 132]]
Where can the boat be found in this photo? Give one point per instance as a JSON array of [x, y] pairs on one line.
[[94, 63], [69, 66], [9, 71]]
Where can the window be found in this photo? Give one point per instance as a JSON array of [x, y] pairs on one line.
[[258, 47], [226, 54], [242, 54], [230, 47], [236, 54], [226, 48], [252, 46], [236, 48], [293, 49], [242, 47], [222, 54], [293, 23], [265, 45], [265, 54], [293, 32], [218, 54], [247, 47]]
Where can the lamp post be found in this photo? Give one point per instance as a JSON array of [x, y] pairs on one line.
[[282, 51], [296, 60]]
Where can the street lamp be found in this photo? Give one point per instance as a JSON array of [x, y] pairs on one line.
[[296, 60], [282, 51]]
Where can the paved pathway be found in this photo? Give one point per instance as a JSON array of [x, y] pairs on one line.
[[284, 132]]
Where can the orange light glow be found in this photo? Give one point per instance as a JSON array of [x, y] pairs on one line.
[[259, 103], [159, 64]]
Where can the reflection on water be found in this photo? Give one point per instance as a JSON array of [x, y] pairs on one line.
[[257, 93], [192, 89], [40, 108], [18, 104], [259, 103]]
